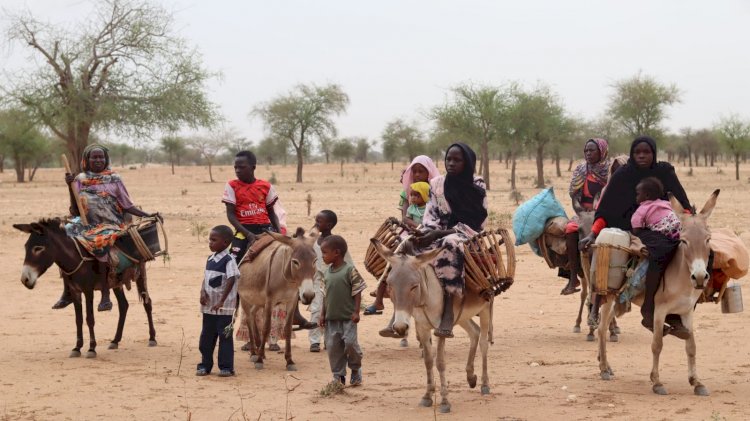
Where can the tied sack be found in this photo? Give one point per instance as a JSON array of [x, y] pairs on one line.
[[530, 218]]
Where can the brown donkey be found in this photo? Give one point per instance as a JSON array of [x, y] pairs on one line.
[[684, 280], [281, 273], [416, 292], [47, 245]]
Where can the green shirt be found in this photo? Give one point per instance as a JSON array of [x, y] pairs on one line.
[[342, 284]]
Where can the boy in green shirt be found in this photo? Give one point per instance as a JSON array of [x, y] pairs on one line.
[[340, 313]]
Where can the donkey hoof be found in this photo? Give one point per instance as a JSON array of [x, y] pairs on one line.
[[701, 390], [75, 353], [445, 408], [253, 358], [614, 338], [258, 366], [606, 375], [590, 337], [659, 389], [113, 345], [291, 367], [485, 390], [472, 380], [577, 329], [91, 354], [616, 330], [425, 402], [152, 342]]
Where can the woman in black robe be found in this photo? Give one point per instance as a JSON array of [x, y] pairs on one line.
[[617, 206]]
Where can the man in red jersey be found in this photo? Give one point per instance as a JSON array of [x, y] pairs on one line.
[[249, 203]]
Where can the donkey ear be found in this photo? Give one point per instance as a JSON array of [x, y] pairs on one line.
[[23, 227], [299, 233], [577, 208], [37, 228], [428, 257], [281, 238], [710, 204], [384, 252], [676, 206]]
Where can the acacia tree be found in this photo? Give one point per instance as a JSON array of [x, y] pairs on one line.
[[481, 114], [22, 141], [325, 144], [302, 115], [639, 104], [272, 149], [708, 145], [209, 146], [402, 139], [174, 147], [343, 150], [123, 69], [361, 149], [735, 135]]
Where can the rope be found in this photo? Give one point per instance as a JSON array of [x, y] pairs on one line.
[[83, 260], [141, 245]]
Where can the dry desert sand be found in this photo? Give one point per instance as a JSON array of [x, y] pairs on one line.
[[535, 365]]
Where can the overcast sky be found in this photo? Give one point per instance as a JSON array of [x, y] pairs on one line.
[[397, 58]]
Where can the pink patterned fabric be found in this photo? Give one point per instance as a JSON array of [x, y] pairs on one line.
[[657, 215]]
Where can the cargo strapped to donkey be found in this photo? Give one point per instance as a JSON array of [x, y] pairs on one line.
[[141, 240], [485, 271], [390, 235]]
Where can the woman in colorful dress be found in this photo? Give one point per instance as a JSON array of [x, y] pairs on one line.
[[105, 201], [589, 178]]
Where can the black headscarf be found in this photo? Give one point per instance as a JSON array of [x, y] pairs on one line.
[[618, 203], [465, 198]]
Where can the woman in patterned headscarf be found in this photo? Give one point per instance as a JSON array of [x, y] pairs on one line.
[[105, 201], [589, 178]]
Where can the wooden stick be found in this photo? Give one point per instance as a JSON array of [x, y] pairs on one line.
[[81, 211]]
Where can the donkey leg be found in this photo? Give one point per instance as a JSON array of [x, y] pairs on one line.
[[657, 342], [267, 309], [473, 330], [254, 339], [698, 387], [445, 406], [613, 331], [577, 327], [290, 366], [122, 310], [77, 305], [142, 288], [424, 338], [605, 371], [89, 294], [485, 319]]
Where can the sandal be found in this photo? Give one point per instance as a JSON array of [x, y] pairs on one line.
[[666, 331], [443, 333], [372, 310], [315, 348], [570, 289], [62, 303], [389, 333], [104, 306]]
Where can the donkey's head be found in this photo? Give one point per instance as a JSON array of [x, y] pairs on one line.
[[694, 239], [42, 248], [302, 265], [406, 283], [585, 217]]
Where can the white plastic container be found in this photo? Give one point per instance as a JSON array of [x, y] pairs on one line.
[[731, 301], [618, 259]]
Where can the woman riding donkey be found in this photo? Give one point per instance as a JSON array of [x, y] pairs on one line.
[[616, 209], [105, 201], [589, 178], [457, 211]]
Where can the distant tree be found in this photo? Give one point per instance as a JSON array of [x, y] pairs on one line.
[[174, 147], [22, 141], [688, 140], [325, 144], [361, 149], [122, 69], [639, 104], [735, 135], [209, 146], [708, 144], [302, 115], [273, 150], [343, 150], [479, 113], [539, 121], [405, 138], [120, 152], [236, 143]]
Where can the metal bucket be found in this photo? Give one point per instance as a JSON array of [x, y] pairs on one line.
[[731, 301]]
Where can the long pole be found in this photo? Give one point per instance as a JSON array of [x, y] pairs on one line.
[[74, 189]]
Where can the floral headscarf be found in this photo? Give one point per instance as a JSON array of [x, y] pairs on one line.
[[600, 170]]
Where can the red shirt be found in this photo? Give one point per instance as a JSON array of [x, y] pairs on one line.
[[251, 200]]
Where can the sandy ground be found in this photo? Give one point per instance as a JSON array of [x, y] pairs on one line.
[[533, 324]]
